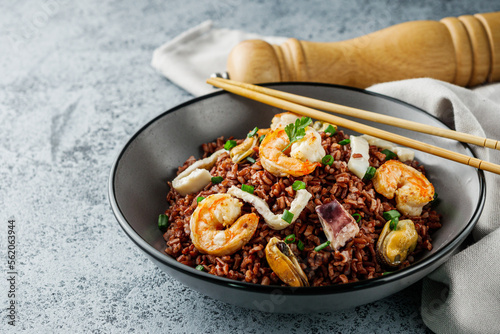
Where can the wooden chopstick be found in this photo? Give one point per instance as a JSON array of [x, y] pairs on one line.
[[355, 126], [370, 116]]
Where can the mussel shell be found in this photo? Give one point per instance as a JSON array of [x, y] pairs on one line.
[[284, 264], [393, 246], [243, 150]]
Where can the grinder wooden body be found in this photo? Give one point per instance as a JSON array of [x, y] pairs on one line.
[[464, 51]]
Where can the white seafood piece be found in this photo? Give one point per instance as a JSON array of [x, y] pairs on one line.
[[283, 119], [403, 153], [358, 165], [195, 177], [339, 226], [300, 201], [309, 147]]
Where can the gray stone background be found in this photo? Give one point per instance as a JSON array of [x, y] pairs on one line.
[[75, 85]]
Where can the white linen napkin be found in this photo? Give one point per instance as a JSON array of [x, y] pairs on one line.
[[189, 59], [463, 295]]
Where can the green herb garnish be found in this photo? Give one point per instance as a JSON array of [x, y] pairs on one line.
[[287, 216], [290, 239], [322, 246], [331, 130], [356, 216], [300, 245], [199, 199], [389, 155], [247, 188], [393, 217], [297, 185], [261, 138], [229, 144], [217, 179], [370, 173], [251, 160], [162, 222], [327, 160], [200, 267], [253, 132], [344, 142], [296, 131]]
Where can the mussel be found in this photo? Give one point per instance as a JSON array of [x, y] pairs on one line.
[[284, 264], [393, 246], [243, 150]]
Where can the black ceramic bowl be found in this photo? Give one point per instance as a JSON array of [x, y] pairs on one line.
[[138, 186]]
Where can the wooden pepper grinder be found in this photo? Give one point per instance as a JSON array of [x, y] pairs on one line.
[[464, 51]]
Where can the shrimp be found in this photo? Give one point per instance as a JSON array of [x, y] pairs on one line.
[[216, 228], [283, 119], [277, 162], [412, 189]]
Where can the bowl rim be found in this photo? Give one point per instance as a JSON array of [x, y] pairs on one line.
[[287, 290]]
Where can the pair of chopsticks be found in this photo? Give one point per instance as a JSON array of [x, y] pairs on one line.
[[304, 106]]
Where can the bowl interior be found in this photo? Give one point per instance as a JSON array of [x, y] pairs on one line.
[[139, 177]]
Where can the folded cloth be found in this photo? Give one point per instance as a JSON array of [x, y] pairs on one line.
[[463, 295], [189, 59]]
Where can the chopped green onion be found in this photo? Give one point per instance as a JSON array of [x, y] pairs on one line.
[[370, 173], [297, 185], [290, 238], [199, 199], [253, 132], [217, 179], [200, 267], [287, 216], [229, 144], [300, 245], [251, 160], [331, 130], [356, 216], [162, 222], [387, 272], [389, 154], [394, 223], [261, 138], [327, 160], [344, 142], [322, 246], [247, 188], [389, 215]]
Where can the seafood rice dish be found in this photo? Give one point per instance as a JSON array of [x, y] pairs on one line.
[[300, 203]]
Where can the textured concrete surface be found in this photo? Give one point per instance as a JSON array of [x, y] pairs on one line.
[[75, 84]]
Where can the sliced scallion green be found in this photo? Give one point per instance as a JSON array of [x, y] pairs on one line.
[[287, 216], [297, 185], [356, 216], [394, 223], [389, 215], [217, 179], [261, 138], [327, 160], [200, 267], [300, 245], [229, 144], [251, 160], [253, 132], [344, 142], [331, 130], [322, 246], [199, 199], [162, 222], [389, 154], [247, 188], [370, 173], [290, 239]]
